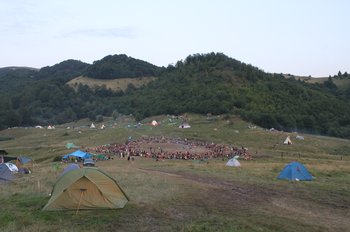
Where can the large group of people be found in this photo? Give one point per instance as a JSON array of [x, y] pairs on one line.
[[163, 148]]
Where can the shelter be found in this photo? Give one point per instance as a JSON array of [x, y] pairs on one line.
[[13, 168], [3, 152], [22, 160], [233, 162], [78, 154], [71, 145], [70, 167], [7, 158], [86, 188], [295, 171], [154, 123], [287, 141], [185, 125], [5, 174], [299, 137], [92, 126]]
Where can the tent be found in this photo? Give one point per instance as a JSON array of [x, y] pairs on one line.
[[78, 154], [154, 123], [288, 141], [13, 168], [185, 125], [92, 126], [86, 188], [70, 167], [233, 162], [299, 137], [5, 174], [71, 145], [3, 152], [23, 159], [295, 171]]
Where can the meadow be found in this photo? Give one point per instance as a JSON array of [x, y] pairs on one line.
[[185, 195]]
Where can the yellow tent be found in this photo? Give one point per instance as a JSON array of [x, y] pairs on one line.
[[86, 188]]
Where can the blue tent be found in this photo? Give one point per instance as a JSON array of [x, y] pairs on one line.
[[78, 154], [70, 168], [23, 159], [295, 171]]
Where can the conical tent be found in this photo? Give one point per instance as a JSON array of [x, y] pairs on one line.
[[86, 188], [287, 141], [295, 171]]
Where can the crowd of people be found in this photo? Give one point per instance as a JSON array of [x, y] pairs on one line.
[[156, 147]]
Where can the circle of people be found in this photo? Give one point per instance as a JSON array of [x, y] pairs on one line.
[[133, 148]]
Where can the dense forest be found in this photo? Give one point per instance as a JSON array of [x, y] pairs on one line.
[[202, 83]]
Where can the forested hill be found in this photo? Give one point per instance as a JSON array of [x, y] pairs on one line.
[[210, 83]]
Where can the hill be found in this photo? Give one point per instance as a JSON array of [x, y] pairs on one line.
[[203, 83]]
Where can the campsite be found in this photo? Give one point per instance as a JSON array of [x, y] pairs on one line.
[[191, 192]]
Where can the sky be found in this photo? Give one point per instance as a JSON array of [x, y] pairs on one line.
[[299, 37]]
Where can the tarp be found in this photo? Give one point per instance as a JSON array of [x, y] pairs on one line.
[[78, 154], [295, 171], [86, 188], [5, 174]]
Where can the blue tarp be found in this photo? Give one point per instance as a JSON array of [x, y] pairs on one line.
[[78, 154], [295, 171]]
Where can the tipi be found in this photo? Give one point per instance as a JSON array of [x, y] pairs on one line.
[[287, 141]]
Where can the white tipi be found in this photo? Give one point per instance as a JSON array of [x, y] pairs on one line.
[[288, 141]]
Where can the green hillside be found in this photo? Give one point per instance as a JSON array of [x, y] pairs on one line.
[[203, 83]]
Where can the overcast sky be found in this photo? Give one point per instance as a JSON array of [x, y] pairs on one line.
[[300, 37]]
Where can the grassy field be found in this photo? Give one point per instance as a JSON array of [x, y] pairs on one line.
[[178, 195], [114, 84]]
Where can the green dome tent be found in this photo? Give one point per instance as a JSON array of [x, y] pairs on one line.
[[86, 188]]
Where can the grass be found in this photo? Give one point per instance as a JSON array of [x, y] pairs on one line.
[[176, 195], [115, 84]]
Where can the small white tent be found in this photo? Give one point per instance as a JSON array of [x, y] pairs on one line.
[[233, 162], [154, 123], [92, 126], [185, 125], [288, 141]]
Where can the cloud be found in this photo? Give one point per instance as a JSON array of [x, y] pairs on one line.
[[106, 32]]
